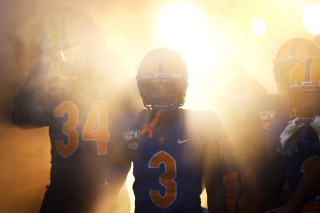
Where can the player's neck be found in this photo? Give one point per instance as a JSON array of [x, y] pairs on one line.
[[166, 118]]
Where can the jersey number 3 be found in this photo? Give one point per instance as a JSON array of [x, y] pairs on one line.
[[95, 128], [166, 179]]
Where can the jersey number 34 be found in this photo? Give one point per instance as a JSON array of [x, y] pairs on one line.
[[94, 129]]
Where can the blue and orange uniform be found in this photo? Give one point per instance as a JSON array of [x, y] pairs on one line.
[[170, 157], [246, 111], [78, 118], [305, 150], [78, 147], [246, 164], [72, 92]]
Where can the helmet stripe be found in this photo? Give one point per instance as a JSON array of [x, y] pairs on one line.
[[160, 65], [307, 73], [294, 47]]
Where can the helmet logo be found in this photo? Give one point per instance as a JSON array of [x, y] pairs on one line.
[[133, 145], [161, 140]]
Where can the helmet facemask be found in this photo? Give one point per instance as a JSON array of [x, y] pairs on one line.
[[244, 111], [162, 93], [304, 88], [241, 102], [306, 101]]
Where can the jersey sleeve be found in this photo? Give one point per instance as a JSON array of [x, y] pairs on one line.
[[31, 105]]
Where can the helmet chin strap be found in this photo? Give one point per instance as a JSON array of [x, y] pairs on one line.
[[165, 108], [150, 128]]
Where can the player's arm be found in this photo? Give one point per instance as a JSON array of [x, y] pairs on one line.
[[307, 185], [214, 188], [30, 107], [213, 168], [118, 164], [272, 183]]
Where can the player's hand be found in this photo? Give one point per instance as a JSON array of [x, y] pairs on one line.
[[290, 137], [62, 60]]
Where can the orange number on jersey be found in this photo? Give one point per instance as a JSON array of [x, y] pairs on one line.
[[308, 163], [166, 179], [69, 128], [95, 128], [231, 182]]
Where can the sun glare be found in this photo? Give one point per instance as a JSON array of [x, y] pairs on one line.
[[311, 18]]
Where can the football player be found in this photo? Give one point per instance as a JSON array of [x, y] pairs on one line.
[[298, 139], [248, 185], [70, 91], [306, 186], [171, 148], [288, 55]]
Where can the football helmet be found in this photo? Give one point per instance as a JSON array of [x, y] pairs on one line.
[[71, 42], [288, 55], [162, 79], [304, 87], [242, 100]]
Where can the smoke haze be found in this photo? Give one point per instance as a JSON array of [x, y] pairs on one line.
[[127, 28]]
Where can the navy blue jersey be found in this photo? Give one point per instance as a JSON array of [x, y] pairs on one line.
[[78, 129], [282, 113], [246, 158], [272, 107], [296, 164], [247, 161], [78, 117], [168, 167]]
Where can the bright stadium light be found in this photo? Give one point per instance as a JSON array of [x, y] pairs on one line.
[[185, 27], [259, 27], [311, 18], [179, 22]]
